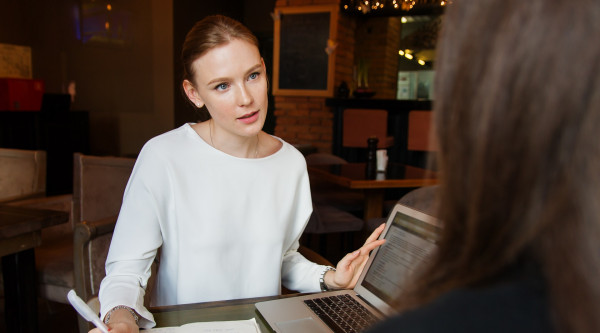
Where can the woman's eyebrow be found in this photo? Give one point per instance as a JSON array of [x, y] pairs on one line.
[[254, 68], [226, 79]]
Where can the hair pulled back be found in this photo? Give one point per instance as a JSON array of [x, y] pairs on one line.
[[208, 33]]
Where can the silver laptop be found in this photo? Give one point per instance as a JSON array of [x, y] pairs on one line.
[[410, 239]]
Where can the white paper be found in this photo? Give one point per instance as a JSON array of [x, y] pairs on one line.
[[235, 326]]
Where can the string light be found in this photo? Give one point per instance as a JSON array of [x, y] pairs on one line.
[[377, 6]]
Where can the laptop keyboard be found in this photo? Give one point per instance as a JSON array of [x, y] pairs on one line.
[[342, 313]]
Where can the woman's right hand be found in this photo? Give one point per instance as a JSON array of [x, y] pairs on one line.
[[121, 321], [119, 327]]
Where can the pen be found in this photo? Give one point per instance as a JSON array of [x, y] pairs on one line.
[[85, 311]]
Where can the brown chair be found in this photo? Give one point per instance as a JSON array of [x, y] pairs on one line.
[[90, 244], [421, 142], [98, 186], [22, 174], [360, 124], [420, 131]]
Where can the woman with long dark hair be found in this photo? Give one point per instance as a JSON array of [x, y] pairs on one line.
[[517, 113]]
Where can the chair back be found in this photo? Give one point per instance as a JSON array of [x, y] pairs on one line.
[[22, 174], [91, 241], [361, 124], [99, 183], [420, 131]]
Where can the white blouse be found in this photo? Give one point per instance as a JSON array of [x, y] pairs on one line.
[[226, 227]]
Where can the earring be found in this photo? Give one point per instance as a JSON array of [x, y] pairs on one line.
[[198, 105]]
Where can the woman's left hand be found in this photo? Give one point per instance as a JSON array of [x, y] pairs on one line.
[[348, 270]]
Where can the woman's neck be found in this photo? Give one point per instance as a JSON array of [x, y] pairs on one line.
[[244, 148]]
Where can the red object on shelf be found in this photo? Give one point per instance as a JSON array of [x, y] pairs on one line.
[[21, 94]]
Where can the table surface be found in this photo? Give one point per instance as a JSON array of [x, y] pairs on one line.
[[352, 175], [17, 220], [20, 226], [239, 309]]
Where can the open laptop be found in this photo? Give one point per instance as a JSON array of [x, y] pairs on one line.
[[410, 239]]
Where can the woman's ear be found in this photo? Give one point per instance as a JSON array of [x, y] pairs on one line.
[[192, 94]]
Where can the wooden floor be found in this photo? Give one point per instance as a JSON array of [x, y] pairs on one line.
[[53, 317]]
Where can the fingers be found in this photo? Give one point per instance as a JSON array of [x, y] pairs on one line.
[[376, 233], [347, 259], [367, 248]]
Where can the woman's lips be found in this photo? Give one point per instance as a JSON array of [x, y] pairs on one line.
[[249, 118]]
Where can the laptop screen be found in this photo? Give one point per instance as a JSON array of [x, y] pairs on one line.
[[410, 240]]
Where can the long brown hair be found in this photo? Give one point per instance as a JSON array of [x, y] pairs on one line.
[[517, 115]]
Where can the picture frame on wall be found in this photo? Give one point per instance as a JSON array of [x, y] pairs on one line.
[[304, 50]]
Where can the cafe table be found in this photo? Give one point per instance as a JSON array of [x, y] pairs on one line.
[[20, 233], [238, 309], [353, 176]]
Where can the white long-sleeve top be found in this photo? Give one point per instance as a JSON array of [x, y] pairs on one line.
[[226, 227]]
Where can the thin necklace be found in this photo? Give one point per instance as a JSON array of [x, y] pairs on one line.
[[213, 144]]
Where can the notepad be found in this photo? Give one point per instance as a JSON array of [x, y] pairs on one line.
[[235, 326]]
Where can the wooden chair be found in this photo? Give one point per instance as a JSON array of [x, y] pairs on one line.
[[91, 242], [98, 186], [421, 143], [22, 174], [360, 124], [420, 131]]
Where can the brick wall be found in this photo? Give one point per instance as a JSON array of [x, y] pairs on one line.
[[306, 119], [377, 41]]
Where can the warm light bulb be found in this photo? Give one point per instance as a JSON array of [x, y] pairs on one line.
[[106, 25], [421, 62], [108, 7], [346, 7], [401, 52], [403, 19], [408, 56]]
